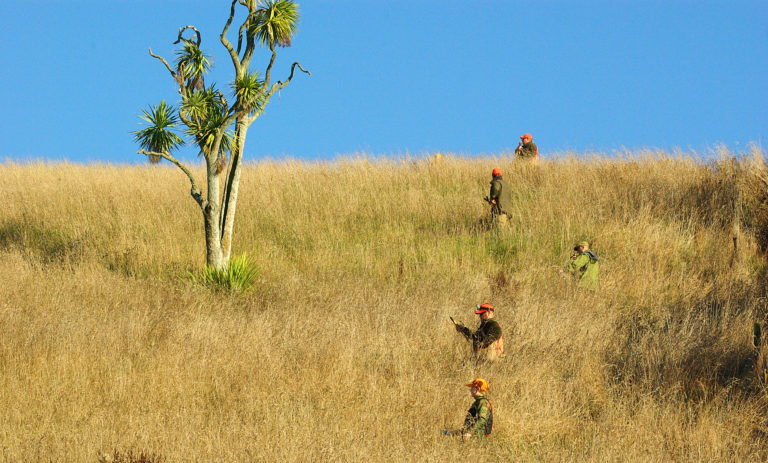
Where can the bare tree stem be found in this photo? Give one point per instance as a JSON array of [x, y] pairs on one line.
[[268, 72], [280, 84], [227, 44], [164, 62], [181, 31], [195, 191]]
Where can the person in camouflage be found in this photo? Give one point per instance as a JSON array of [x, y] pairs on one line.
[[584, 266], [498, 197], [479, 419], [527, 149], [487, 340]]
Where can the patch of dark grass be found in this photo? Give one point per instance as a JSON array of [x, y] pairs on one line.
[[685, 351], [48, 244], [141, 456], [500, 249]]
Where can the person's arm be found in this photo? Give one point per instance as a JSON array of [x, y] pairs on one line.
[[464, 330], [495, 192], [529, 150], [469, 424], [576, 264]]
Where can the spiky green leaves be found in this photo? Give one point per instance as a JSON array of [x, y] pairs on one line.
[[238, 275], [158, 136], [249, 90], [204, 112], [191, 65], [275, 23]]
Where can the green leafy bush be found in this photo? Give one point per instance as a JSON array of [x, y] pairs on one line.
[[238, 275]]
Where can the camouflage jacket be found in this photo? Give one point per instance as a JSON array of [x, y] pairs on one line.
[[479, 420], [499, 194], [585, 267], [528, 150]]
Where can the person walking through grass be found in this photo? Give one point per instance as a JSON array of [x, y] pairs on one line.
[[527, 149], [479, 420], [583, 266], [487, 340], [498, 197]]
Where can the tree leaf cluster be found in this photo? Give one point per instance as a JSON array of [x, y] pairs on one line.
[[275, 23], [159, 136]]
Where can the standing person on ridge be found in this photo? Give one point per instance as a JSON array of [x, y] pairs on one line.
[[487, 340], [479, 420], [527, 149], [584, 266], [498, 197]]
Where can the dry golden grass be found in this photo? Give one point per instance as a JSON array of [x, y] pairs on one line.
[[344, 351]]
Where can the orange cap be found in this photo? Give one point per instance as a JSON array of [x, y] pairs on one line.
[[479, 383], [496, 172], [527, 135], [484, 308]]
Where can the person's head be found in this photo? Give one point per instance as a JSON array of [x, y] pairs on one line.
[[581, 246], [526, 138], [496, 172], [485, 311], [478, 386]]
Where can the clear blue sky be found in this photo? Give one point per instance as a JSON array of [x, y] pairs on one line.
[[401, 76]]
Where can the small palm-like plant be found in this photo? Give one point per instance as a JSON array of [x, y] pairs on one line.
[[206, 112], [276, 22], [249, 90], [158, 136], [238, 275], [192, 63]]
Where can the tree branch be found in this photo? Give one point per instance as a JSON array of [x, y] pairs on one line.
[[240, 36], [231, 17], [195, 191], [280, 85], [250, 44], [268, 72], [181, 31], [227, 44], [179, 81], [164, 62]]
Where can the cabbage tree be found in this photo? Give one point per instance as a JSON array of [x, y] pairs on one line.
[[205, 115]]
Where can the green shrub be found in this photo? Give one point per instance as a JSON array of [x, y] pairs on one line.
[[238, 275]]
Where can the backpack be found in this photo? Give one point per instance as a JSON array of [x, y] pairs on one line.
[[592, 260], [495, 350]]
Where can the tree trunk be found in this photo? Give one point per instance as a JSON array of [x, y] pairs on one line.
[[231, 189], [213, 250], [214, 254]]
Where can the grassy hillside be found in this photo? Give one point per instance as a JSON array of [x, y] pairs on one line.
[[343, 351]]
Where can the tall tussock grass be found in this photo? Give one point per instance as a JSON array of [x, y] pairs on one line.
[[343, 351]]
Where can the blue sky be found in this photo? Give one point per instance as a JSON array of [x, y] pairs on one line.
[[391, 77]]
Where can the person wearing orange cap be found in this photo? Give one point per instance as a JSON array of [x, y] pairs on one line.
[[527, 149], [487, 340], [498, 197], [479, 419]]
